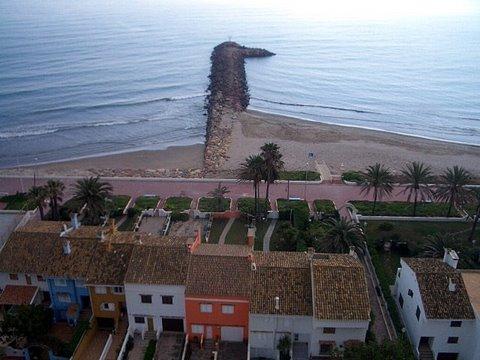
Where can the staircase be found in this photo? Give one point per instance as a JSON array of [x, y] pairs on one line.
[[150, 335], [425, 353]]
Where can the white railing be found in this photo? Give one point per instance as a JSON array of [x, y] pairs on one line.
[[185, 346], [106, 348], [123, 349]]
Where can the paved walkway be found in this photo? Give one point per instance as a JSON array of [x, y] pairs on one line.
[[225, 231], [324, 171], [169, 346], [268, 235]]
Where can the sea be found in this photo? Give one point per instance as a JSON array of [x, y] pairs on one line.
[[83, 78]]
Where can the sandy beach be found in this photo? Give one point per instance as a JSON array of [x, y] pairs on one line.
[[341, 148]]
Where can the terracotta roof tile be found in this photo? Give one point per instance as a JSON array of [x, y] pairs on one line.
[[340, 288], [227, 276], [433, 276], [109, 264], [223, 250], [18, 295], [166, 265]]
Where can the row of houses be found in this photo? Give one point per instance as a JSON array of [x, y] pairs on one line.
[[208, 291]]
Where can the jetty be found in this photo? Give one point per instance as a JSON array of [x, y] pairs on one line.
[[228, 95]]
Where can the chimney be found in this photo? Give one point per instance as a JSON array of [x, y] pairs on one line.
[[65, 228], [101, 235], [352, 252], [113, 227], [67, 249], [251, 236], [74, 221], [310, 252], [277, 303], [450, 257], [451, 285]]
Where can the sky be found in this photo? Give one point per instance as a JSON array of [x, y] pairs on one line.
[[364, 9]]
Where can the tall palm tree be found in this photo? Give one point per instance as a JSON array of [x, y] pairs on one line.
[[340, 235], [37, 196], [475, 196], [54, 190], [419, 178], [452, 187], [93, 193], [253, 169], [379, 179], [435, 245], [273, 164], [219, 194]]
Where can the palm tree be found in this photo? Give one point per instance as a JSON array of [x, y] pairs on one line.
[[253, 170], [273, 164], [340, 235], [54, 190], [219, 193], [379, 179], [435, 245], [419, 178], [92, 192], [37, 196], [475, 196], [452, 187]]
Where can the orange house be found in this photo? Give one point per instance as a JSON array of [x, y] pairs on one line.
[[217, 293]]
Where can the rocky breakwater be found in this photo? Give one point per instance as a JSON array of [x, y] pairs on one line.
[[228, 95]]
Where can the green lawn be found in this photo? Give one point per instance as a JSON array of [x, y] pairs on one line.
[[285, 205], [128, 224], [413, 233], [216, 230], [299, 175], [238, 233], [325, 206], [262, 227], [120, 201], [146, 202], [352, 176], [178, 203], [246, 205], [209, 204], [18, 201], [401, 208]]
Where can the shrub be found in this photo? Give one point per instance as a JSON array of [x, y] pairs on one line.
[[385, 226], [210, 204], [178, 216], [352, 176], [299, 175], [133, 212], [150, 351]]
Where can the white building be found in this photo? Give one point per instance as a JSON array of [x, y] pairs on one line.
[[155, 289], [436, 308], [320, 301]]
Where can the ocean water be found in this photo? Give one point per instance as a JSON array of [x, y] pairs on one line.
[[93, 77]]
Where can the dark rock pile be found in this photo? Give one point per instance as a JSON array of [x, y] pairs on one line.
[[228, 94]]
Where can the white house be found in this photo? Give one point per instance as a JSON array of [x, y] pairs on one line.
[[155, 289], [436, 309], [292, 295]]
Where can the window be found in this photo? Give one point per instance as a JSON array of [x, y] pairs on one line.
[[168, 300], [40, 278], [228, 309], [79, 283], [13, 276], [417, 313], [60, 282], [118, 289], [455, 324], [453, 340], [206, 308], [400, 300], [107, 306], [329, 330], [146, 299], [197, 329], [100, 289], [63, 297], [410, 293], [139, 320], [295, 337], [326, 348]]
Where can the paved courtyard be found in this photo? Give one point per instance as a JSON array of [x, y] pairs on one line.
[[169, 346]]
